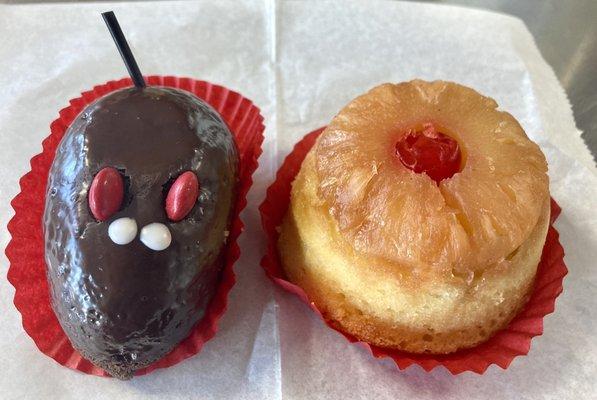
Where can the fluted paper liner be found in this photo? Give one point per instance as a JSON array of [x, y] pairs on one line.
[[500, 349], [26, 249]]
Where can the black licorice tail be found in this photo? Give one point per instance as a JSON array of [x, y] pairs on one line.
[[124, 49]]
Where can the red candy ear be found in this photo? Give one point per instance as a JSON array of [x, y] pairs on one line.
[[182, 196], [106, 193]]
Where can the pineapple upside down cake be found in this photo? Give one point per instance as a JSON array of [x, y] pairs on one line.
[[418, 218]]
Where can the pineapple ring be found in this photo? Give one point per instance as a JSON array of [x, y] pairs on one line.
[[461, 226], [398, 260]]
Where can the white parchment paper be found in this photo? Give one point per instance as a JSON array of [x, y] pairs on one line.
[[300, 62]]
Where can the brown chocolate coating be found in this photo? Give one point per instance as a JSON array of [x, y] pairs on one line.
[[125, 306]]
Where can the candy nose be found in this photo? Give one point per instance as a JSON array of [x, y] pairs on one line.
[[122, 230], [156, 236]]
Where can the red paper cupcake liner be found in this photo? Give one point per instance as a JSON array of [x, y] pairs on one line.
[[500, 349], [27, 271]]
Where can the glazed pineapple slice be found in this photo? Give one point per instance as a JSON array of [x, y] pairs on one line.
[[462, 224]]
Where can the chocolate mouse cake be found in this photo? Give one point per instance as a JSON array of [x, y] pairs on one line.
[[138, 203]]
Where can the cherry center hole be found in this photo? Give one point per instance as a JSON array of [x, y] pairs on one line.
[[429, 151]]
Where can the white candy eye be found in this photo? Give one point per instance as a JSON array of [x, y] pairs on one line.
[[156, 236], [122, 230]]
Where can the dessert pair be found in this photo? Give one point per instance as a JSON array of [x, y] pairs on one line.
[[416, 221]]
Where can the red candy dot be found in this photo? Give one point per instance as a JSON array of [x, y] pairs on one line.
[[182, 196], [106, 193], [431, 152]]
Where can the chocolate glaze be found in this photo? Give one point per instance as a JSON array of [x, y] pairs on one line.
[[124, 307]]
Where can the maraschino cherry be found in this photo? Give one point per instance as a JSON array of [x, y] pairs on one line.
[[431, 152]]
